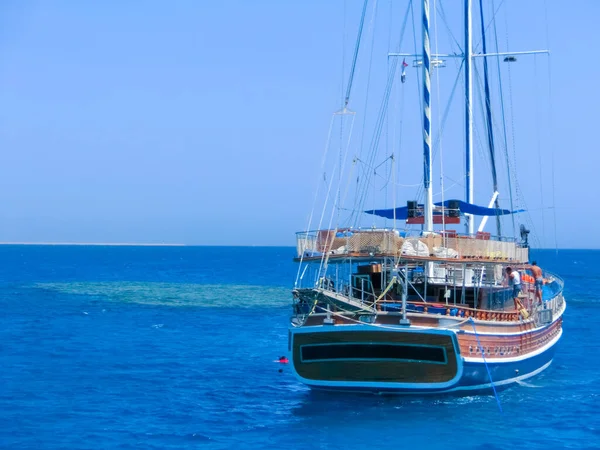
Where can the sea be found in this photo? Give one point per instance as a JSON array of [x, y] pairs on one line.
[[176, 347]]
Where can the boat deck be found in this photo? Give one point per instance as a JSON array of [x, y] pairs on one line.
[[339, 245]]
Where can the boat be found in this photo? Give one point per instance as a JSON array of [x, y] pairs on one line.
[[421, 305]]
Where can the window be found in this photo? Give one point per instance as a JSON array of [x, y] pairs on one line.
[[369, 351]]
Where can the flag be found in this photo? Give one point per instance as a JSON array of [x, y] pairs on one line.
[[404, 66]]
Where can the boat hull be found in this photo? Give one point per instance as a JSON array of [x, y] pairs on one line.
[[399, 372]]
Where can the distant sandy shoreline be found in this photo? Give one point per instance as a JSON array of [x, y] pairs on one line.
[[108, 244]]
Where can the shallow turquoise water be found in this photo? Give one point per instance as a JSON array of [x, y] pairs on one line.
[[110, 347]]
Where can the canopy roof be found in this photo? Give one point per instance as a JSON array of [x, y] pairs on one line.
[[464, 207]]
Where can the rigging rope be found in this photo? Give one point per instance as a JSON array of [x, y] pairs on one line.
[[481, 349], [365, 115], [445, 22], [308, 226], [355, 56], [437, 77], [551, 120], [381, 117], [329, 188], [493, 19], [329, 134], [445, 117], [520, 200], [510, 190], [488, 110], [394, 128], [477, 84], [325, 257], [539, 145], [421, 190]]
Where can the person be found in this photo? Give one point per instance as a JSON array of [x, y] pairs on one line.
[[539, 280], [514, 280]]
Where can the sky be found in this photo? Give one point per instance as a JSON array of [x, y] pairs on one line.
[[204, 123]]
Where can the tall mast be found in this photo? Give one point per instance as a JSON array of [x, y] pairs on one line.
[[469, 113], [428, 225]]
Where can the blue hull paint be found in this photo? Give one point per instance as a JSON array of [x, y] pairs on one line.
[[475, 373]]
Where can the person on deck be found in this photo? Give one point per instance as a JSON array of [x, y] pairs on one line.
[[539, 280], [514, 280]]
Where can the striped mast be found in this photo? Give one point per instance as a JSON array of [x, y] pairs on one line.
[[469, 114], [428, 223]]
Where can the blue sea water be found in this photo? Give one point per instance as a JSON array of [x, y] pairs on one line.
[[174, 347]]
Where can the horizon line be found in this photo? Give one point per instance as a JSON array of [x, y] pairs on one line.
[[164, 244], [137, 244], [111, 244]]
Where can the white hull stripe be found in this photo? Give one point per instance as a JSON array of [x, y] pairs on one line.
[[477, 387]]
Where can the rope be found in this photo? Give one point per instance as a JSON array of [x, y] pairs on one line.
[[325, 259], [355, 56], [343, 74], [492, 20], [420, 191], [539, 144], [365, 115], [438, 138], [396, 123], [520, 200], [308, 226], [510, 190], [488, 110], [551, 120], [329, 188], [364, 182], [387, 289], [437, 78], [477, 89], [328, 142], [486, 364], [445, 22], [306, 316]]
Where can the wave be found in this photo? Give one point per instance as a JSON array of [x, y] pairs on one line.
[[176, 294]]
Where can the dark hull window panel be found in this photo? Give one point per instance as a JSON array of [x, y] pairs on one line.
[[365, 352]]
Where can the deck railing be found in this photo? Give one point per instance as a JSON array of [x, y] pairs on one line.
[[371, 242]]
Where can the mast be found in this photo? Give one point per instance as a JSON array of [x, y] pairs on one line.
[[469, 113], [428, 225]]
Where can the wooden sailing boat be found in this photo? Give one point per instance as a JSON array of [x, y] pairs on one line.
[[387, 310]]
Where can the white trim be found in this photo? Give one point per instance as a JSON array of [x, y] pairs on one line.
[[516, 358], [372, 327], [476, 387]]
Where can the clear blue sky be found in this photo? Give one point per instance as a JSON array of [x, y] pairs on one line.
[[204, 122]]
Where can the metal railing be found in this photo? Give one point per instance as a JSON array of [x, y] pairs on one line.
[[377, 242]]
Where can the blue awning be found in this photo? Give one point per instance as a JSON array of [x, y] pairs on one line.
[[465, 208]]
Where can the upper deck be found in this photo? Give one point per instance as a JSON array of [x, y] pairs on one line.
[[377, 242]]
